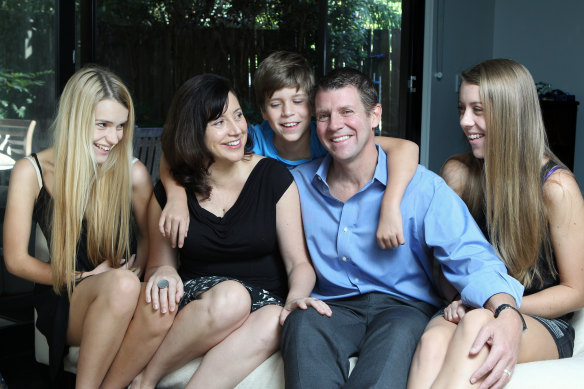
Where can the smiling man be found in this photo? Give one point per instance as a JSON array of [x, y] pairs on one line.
[[381, 299]]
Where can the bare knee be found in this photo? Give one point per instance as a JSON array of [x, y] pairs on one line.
[[226, 305], [154, 322], [472, 322], [433, 345], [120, 291]]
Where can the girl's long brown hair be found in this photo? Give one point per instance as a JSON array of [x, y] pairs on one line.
[[507, 187]]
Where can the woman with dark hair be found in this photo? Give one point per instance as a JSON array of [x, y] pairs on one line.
[[244, 264], [530, 207]]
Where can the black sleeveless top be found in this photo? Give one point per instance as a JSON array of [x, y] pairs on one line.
[[243, 244], [53, 309], [548, 278]]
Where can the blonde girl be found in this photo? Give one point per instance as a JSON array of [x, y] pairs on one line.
[[86, 192]]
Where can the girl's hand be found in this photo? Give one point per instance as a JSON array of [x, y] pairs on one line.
[[303, 303], [164, 289], [455, 311], [390, 233], [129, 265], [101, 268]]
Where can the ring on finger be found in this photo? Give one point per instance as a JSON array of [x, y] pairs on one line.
[[508, 372], [162, 284]]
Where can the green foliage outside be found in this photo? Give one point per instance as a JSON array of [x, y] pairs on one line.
[[349, 20], [349, 23], [297, 22], [24, 24], [17, 92]]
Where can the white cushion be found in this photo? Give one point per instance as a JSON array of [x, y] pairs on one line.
[[557, 373], [563, 373]]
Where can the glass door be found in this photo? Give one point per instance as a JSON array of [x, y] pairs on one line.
[[156, 45]]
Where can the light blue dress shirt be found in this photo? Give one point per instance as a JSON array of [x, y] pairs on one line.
[[263, 144], [341, 239]]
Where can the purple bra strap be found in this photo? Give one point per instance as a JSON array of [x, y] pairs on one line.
[[551, 171]]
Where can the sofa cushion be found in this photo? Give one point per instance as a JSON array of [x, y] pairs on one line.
[[562, 373]]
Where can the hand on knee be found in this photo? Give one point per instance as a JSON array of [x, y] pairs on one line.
[[473, 321]]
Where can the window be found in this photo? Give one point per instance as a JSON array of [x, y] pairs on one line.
[[157, 45], [27, 63]]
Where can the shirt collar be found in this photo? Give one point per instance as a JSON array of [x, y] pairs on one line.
[[380, 170]]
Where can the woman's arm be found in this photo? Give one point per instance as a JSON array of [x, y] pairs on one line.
[[141, 192], [402, 162], [565, 214], [174, 220], [162, 265], [455, 173], [301, 276], [22, 194]]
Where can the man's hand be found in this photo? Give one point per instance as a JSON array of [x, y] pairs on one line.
[[503, 336]]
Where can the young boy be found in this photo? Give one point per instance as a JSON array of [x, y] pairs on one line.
[[283, 84]]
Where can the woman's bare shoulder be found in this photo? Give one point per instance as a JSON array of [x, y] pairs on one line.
[[455, 172], [561, 188]]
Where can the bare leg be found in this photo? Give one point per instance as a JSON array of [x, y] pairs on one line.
[[145, 333], [100, 311], [536, 344], [198, 327], [458, 365], [229, 362], [430, 353]]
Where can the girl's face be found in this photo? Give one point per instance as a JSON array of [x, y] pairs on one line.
[[225, 137], [110, 118], [472, 118]]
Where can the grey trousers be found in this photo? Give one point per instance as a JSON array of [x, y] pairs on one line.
[[382, 330]]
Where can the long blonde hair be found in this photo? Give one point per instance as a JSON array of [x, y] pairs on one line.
[[100, 195], [510, 179]]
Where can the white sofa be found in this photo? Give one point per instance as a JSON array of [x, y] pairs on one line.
[[563, 373]]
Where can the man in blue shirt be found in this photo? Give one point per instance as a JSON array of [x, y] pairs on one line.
[[382, 299]]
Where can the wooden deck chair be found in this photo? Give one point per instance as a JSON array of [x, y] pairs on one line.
[[16, 137], [148, 150]]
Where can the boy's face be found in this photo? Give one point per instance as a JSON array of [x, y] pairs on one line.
[[288, 112]]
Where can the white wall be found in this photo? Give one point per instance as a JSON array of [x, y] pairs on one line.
[[462, 35], [546, 36]]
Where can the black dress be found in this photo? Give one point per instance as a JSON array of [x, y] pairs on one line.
[[53, 309], [243, 244]]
